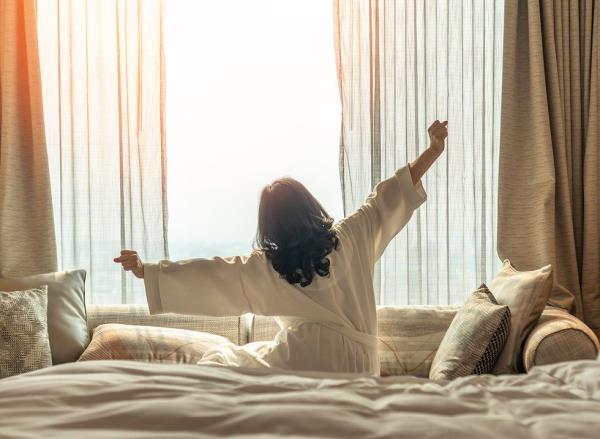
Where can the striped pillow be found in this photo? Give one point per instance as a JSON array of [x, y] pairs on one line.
[[474, 339], [114, 341]]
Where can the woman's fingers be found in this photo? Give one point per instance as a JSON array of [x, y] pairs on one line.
[[437, 126], [130, 265], [437, 123], [438, 132], [128, 252], [126, 255], [130, 261]]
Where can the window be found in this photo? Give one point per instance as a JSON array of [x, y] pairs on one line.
[[252, 95]]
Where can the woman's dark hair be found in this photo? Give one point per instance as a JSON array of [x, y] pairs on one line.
[[294, 231]]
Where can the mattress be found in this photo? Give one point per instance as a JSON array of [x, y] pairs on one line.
[[100, 399]]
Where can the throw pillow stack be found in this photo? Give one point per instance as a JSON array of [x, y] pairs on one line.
[[488, 332], [43, 321]]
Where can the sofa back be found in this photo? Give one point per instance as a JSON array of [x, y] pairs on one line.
[[409, 336]]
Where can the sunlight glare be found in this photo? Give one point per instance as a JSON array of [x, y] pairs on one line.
[[252, 95]]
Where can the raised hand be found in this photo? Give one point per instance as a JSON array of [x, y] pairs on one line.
[[438, 131], [130, 261]]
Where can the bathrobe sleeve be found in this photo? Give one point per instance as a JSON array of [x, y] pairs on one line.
[[385, 212], [226, 287]]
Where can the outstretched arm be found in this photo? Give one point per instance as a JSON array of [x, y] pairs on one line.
[[196, 286], [391, 204], [221, 287]]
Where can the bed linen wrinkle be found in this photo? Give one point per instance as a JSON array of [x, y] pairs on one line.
[[127, 399]]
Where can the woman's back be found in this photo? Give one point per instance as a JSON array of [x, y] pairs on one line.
[[316, 278], [325, 324]]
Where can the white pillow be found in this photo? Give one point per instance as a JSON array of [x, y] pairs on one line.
[[114, 341], [526, 294]]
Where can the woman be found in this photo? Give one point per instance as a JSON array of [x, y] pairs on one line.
[[316, 277]]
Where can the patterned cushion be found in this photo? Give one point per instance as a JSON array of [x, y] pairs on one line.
[[114, 341], [408, 336], [558, 337], [229, 327], [24, 344], [67, 326], [526, 294], [475, 338]]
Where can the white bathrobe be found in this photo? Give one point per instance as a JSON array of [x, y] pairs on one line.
[[330, 325]]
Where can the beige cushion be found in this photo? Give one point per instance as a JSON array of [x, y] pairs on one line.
[[559, 337], [67, 325], [526, 294], [114, 341], [474, 339], [24, 344], [408, 336], [262, 328], [228, 327]]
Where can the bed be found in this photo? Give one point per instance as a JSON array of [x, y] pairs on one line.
[[102, 399]]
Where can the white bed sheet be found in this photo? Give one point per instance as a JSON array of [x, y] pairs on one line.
[[113, 399]]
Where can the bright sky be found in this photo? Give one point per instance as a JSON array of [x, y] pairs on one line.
[[252, 95]]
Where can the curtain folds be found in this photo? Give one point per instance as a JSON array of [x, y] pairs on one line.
[[27, 244], [401, 65], [103, 83], [549, 178]]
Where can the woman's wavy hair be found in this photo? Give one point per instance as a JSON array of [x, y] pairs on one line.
[[294, 231]]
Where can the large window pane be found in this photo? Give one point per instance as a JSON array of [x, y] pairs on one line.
[[252, 95]]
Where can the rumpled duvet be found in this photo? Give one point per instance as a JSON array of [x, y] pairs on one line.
[[114, 399]]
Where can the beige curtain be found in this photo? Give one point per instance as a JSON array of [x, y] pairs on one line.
[[102, 68], [26, 226], [401, 65], [549, 182]]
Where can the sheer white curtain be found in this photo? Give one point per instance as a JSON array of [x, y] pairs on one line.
[[401, 65], [103, 95]]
